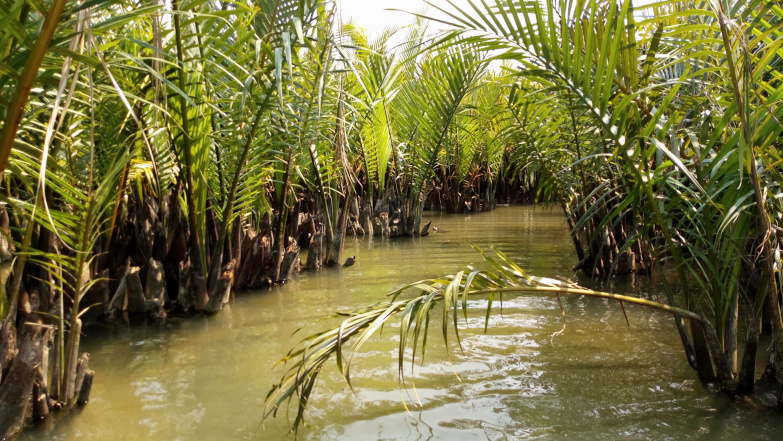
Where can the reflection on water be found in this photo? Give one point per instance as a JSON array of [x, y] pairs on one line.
[[206, 378]]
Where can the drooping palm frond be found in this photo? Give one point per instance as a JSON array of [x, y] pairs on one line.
[[414, 305]]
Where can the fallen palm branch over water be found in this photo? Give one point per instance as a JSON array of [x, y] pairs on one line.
[[307, 358]]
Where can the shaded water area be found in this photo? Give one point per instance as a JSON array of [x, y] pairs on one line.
[[206, 378]]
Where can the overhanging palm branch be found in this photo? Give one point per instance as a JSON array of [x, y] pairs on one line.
[[414, 305]]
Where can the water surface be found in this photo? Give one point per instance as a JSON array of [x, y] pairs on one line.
[[206, 378]]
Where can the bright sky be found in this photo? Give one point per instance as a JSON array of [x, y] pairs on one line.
[[373, 16], [370, 14]]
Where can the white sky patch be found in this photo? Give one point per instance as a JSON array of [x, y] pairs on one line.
[[375, 16]]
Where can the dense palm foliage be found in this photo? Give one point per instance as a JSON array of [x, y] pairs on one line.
[[655, 177], [156, 155], [657, 130]]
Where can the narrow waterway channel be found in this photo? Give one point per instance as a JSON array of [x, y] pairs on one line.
[[206, 378]]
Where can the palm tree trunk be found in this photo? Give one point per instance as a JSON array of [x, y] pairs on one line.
[[730, 334], [766, 233], [747, 374], [342, 224], [196, 251], [282, 217], [17, 386], [225, 226], [701, 353]]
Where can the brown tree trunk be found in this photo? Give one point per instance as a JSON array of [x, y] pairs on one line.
[[185, 296], [117, 303], [17, 386], [722, 368], [8, 349], [730, 335], [342, 224], [134, 291], [6, 247], [702, 353], [290, 262], [747, 374], [156, 282], [315, 252], [84, 392], [222, 292], [41, 401], [385, 228], [253, 260], [82, 367], [72, 360]]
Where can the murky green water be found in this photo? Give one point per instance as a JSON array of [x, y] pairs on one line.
[[206, 379]]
